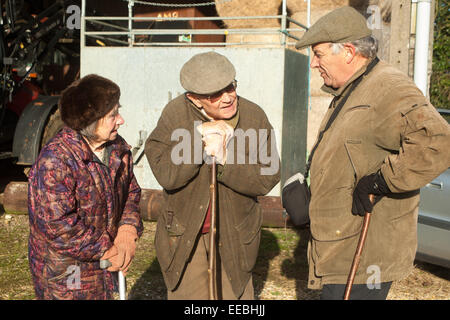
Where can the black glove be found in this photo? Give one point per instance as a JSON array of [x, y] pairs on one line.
[[371, 184]]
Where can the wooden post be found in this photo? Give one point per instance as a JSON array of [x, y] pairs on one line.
[[400, 35]]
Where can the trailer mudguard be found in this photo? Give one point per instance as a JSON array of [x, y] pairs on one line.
[[30, 128]]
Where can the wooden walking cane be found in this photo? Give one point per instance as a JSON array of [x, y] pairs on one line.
[[357, 257], [212, 233]]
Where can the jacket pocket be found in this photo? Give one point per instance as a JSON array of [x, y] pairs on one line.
[[249, 231], [58, 268], [335, 257], [169, 232], [358, 107], [357, 157], [337, 227]]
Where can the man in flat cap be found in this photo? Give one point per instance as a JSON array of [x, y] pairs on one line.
[[380, 136], [210, 111]]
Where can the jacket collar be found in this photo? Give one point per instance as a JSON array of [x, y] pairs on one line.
[[81, 148], [339, 91]]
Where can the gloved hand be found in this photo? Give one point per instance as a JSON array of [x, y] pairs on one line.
[[216, 135], [125, 242], [371, 184], [111, 256]]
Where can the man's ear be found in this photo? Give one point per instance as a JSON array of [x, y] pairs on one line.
[[350, 52], [194, 100]]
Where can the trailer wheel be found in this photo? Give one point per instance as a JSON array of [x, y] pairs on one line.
[[53, 126]]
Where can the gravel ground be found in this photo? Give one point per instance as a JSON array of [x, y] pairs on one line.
[[280, 272]]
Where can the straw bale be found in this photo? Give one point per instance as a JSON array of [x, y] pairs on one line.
[[300, 5], [240, 8], [235, 8], [328, 5]]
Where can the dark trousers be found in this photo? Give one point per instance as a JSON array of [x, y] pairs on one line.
[[359, 292]]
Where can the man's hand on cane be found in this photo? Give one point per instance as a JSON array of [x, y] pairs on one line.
[[371, 184], [216, 135]]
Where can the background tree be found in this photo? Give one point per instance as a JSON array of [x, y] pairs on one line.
[[440, 77]]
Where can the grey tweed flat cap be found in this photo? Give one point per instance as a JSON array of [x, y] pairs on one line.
[[341, 25], [207, 73]]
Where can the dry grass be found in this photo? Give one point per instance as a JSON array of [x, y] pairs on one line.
[[426, 282], [280, 272], [15, 277]]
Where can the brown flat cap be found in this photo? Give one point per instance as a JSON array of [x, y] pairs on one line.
[[341, 25], [207, 73]]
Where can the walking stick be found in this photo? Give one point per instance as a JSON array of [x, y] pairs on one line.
[[357, 257], [212, 238], [104, 264]]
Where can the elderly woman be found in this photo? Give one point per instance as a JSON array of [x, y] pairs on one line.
[[83, 198]]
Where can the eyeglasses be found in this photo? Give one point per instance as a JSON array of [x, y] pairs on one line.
[[218, 95]]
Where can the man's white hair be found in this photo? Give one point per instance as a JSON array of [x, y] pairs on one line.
[[366, 47]]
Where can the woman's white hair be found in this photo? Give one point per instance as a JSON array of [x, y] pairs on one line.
[[366, 47], [89, 131]]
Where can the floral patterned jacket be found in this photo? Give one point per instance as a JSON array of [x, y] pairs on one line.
[[76, 204]]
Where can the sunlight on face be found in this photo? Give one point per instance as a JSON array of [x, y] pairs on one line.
[[331, 66], [108, 125], [221, 105]]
